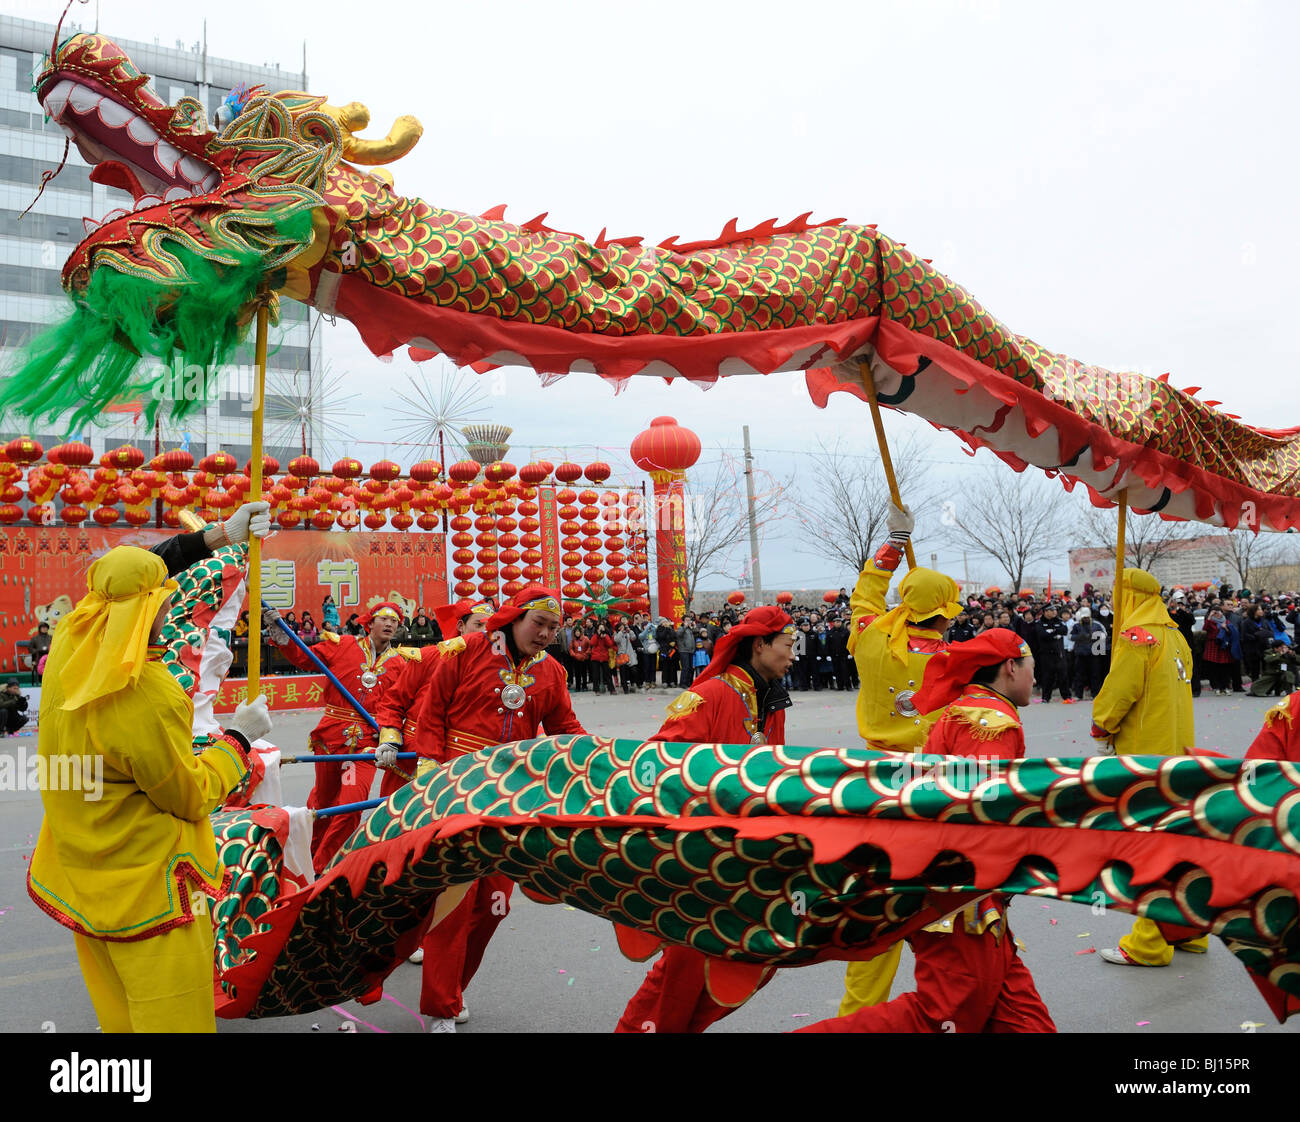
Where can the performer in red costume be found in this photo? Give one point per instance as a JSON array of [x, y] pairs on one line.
[[969, 977], [1279, 739], [401, 702], [490, 687], [366, 666], [737, 698]]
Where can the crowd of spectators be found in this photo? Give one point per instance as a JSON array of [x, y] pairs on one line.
[[1240, 640]]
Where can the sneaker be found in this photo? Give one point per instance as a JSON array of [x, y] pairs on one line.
[[418, 957], [1117, 956], [463, 1016], [442, 1024]]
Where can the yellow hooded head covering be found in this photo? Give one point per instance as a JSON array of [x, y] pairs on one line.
[[924, 593], [100, 648], [1140, 603]]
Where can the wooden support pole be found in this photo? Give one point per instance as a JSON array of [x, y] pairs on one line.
[[1117, 596], [254, 494], [886, 462]]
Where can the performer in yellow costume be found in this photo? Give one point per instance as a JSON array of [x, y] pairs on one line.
[[126, 862], [1145, 709], [891, 649]]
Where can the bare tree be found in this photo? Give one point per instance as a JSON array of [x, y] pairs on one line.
[[842, 516], [717, 521], [1016, 520], [1244, 551], [1147, 537]]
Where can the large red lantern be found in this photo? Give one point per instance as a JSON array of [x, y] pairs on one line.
[[463, 471], [464, 589], [735, 598], [785, 597], [568, 472], [830, 596], [73, 454], [322, 520], [218, 463], [597, 472], [23, 450], [426, 471], [375, 521], [125, 458], [139, 515], [403, 521], [270, 465], [427, 522], [499, 472], [347, 468], [385, 471], [533, 474], [105, 515]]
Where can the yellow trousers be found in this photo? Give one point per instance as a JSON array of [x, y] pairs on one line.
[[868, 982], [162, 984], [1146, 944]]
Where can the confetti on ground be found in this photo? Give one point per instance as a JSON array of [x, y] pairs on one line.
[[1044, 905], [570, 981], [593, 949], [1141, 1023], [563, 971], [1084, 935], [1054, 922], [800, 1014], [1251, 1026], [1090, 950]]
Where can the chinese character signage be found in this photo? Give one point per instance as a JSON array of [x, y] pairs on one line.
[[297, 692], [43, 573]]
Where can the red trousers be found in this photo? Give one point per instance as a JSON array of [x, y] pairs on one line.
[[454, 949], [964, 983], [336, 784], [673, 997]]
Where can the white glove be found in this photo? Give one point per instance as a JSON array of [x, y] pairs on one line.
[[386, 755], [251, 720], [251, 518], [1103, 747], [900, 521]]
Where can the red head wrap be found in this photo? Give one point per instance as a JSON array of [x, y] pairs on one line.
[[757, 621], [379, 609], [533, 597], [450, 615], [949, 672]]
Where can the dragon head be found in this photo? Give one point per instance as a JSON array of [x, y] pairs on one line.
[[221, 193]]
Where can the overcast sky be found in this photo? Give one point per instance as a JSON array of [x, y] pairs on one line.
[[1115, 180]]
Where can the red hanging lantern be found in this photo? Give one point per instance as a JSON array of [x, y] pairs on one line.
[[568, 472], [461, 522], [124, 458], [73, 454], [830, 596], [594, 575], [464, 471], [597, 472], [218, 463], [785, 597], [488, 588], [735, 598], [270, 465], [567, 496], [511, 587], [385, 471], [105, 515], [499, 472], [23, 450], [638, 588], [464, 589], [427, 521], [139, 515], [305, 467], [322, 520], [347, 468], [573, 589], [532, 572], [617, 588], [463, 572], [374, 521], [426, 471], [403, 521], [533, 474], [289, 519]]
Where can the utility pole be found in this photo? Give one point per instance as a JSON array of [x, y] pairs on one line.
[[753, 523]]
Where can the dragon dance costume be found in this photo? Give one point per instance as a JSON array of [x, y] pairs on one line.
[[366, 675], [129, 872], [1145, 708], [728, 703], [891, 653], [969, 977], [479, 693]]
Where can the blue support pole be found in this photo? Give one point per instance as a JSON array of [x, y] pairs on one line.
[[348, 808], [333, 681]]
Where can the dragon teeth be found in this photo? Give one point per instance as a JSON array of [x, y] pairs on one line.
[[167, 156], [113, 114], [209, 184], [83, 99], [146, 201], [192, 170], [57, 99], [141, 131], [176, 194]]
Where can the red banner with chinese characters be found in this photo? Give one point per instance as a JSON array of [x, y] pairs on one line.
[[548, 516], [43, 573], [302, 691]]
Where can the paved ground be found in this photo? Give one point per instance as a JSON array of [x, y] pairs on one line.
[[554, 969]]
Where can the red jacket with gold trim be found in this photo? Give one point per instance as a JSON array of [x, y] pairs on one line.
[[401, 703], [981, 722], [349, 657], [720, 710], [1279, 739], [463, 711]]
